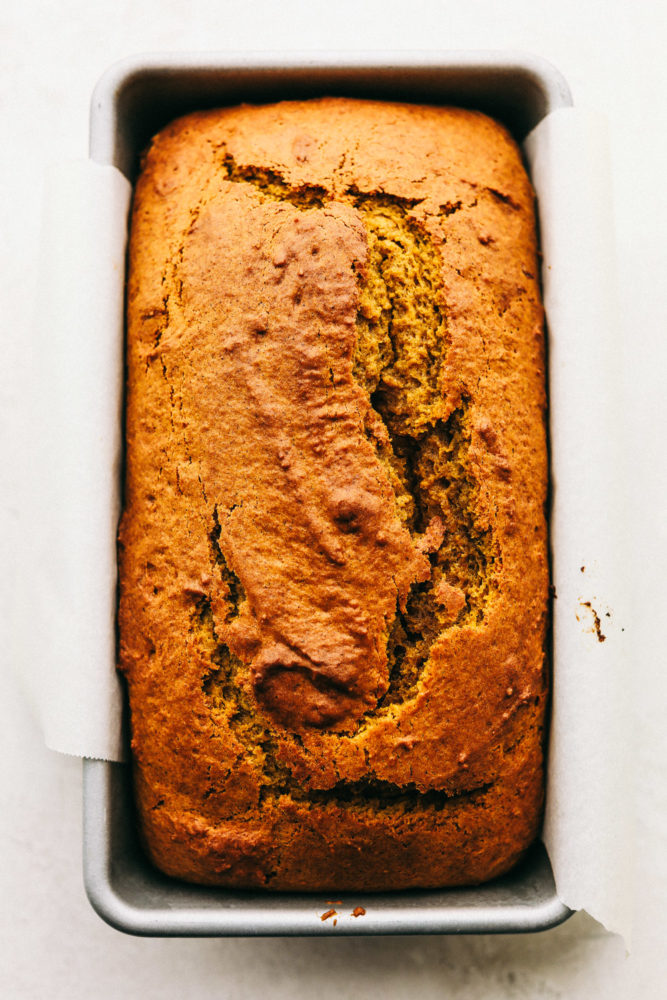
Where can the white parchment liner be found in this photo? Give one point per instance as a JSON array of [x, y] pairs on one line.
[[66, 608], [69, 660], [587, 827]]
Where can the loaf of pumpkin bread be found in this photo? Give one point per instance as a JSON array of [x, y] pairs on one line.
[[333, 563]]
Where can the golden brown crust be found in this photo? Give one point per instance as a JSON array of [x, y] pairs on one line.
[[333, 549]]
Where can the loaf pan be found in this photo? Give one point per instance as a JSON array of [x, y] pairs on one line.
[[132, 102]]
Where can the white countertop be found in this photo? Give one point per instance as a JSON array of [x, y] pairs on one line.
[[52, 945]]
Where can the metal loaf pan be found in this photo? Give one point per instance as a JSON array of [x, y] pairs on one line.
[[133, 101]]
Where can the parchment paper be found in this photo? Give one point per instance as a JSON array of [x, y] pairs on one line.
[[588, 821], [67, 607]]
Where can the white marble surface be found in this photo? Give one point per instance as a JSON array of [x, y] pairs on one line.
[[52, 945]]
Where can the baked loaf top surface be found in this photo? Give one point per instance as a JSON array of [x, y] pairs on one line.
[[333, 549]]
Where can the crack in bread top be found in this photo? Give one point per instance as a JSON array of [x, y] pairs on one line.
[[333, 407], [314, 522]]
